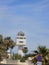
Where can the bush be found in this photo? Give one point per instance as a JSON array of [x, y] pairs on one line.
[[22, 59], [16, 56]]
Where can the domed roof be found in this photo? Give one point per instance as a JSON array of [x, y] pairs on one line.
[[21, 33]]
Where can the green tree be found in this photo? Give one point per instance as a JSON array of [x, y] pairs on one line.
[[2, 47], [43, 51], [9, 43], [16, 56], [25, 50], [5, 44]]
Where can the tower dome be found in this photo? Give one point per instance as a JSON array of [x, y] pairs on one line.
[[20, 34]]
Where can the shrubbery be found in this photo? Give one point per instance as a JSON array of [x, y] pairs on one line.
[[16, 57], [22, 59]]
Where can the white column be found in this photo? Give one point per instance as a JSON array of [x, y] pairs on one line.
[[20, 52]]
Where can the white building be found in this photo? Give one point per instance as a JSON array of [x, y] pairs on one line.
[[20, 42]]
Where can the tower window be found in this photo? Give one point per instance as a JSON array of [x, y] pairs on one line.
[[21, 41]]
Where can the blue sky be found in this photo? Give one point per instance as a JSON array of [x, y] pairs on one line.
[[29, 16]]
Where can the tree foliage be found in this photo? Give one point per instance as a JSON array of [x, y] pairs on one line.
[[16, 56], [44, 52], [25, 50], [5, 44]]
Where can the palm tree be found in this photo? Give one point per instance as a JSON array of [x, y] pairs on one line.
[[47, 57], [43, 51]]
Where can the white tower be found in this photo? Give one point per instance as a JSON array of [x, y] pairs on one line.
[[20, 42]]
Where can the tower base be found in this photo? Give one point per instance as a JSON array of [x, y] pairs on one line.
[[20, 51]]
